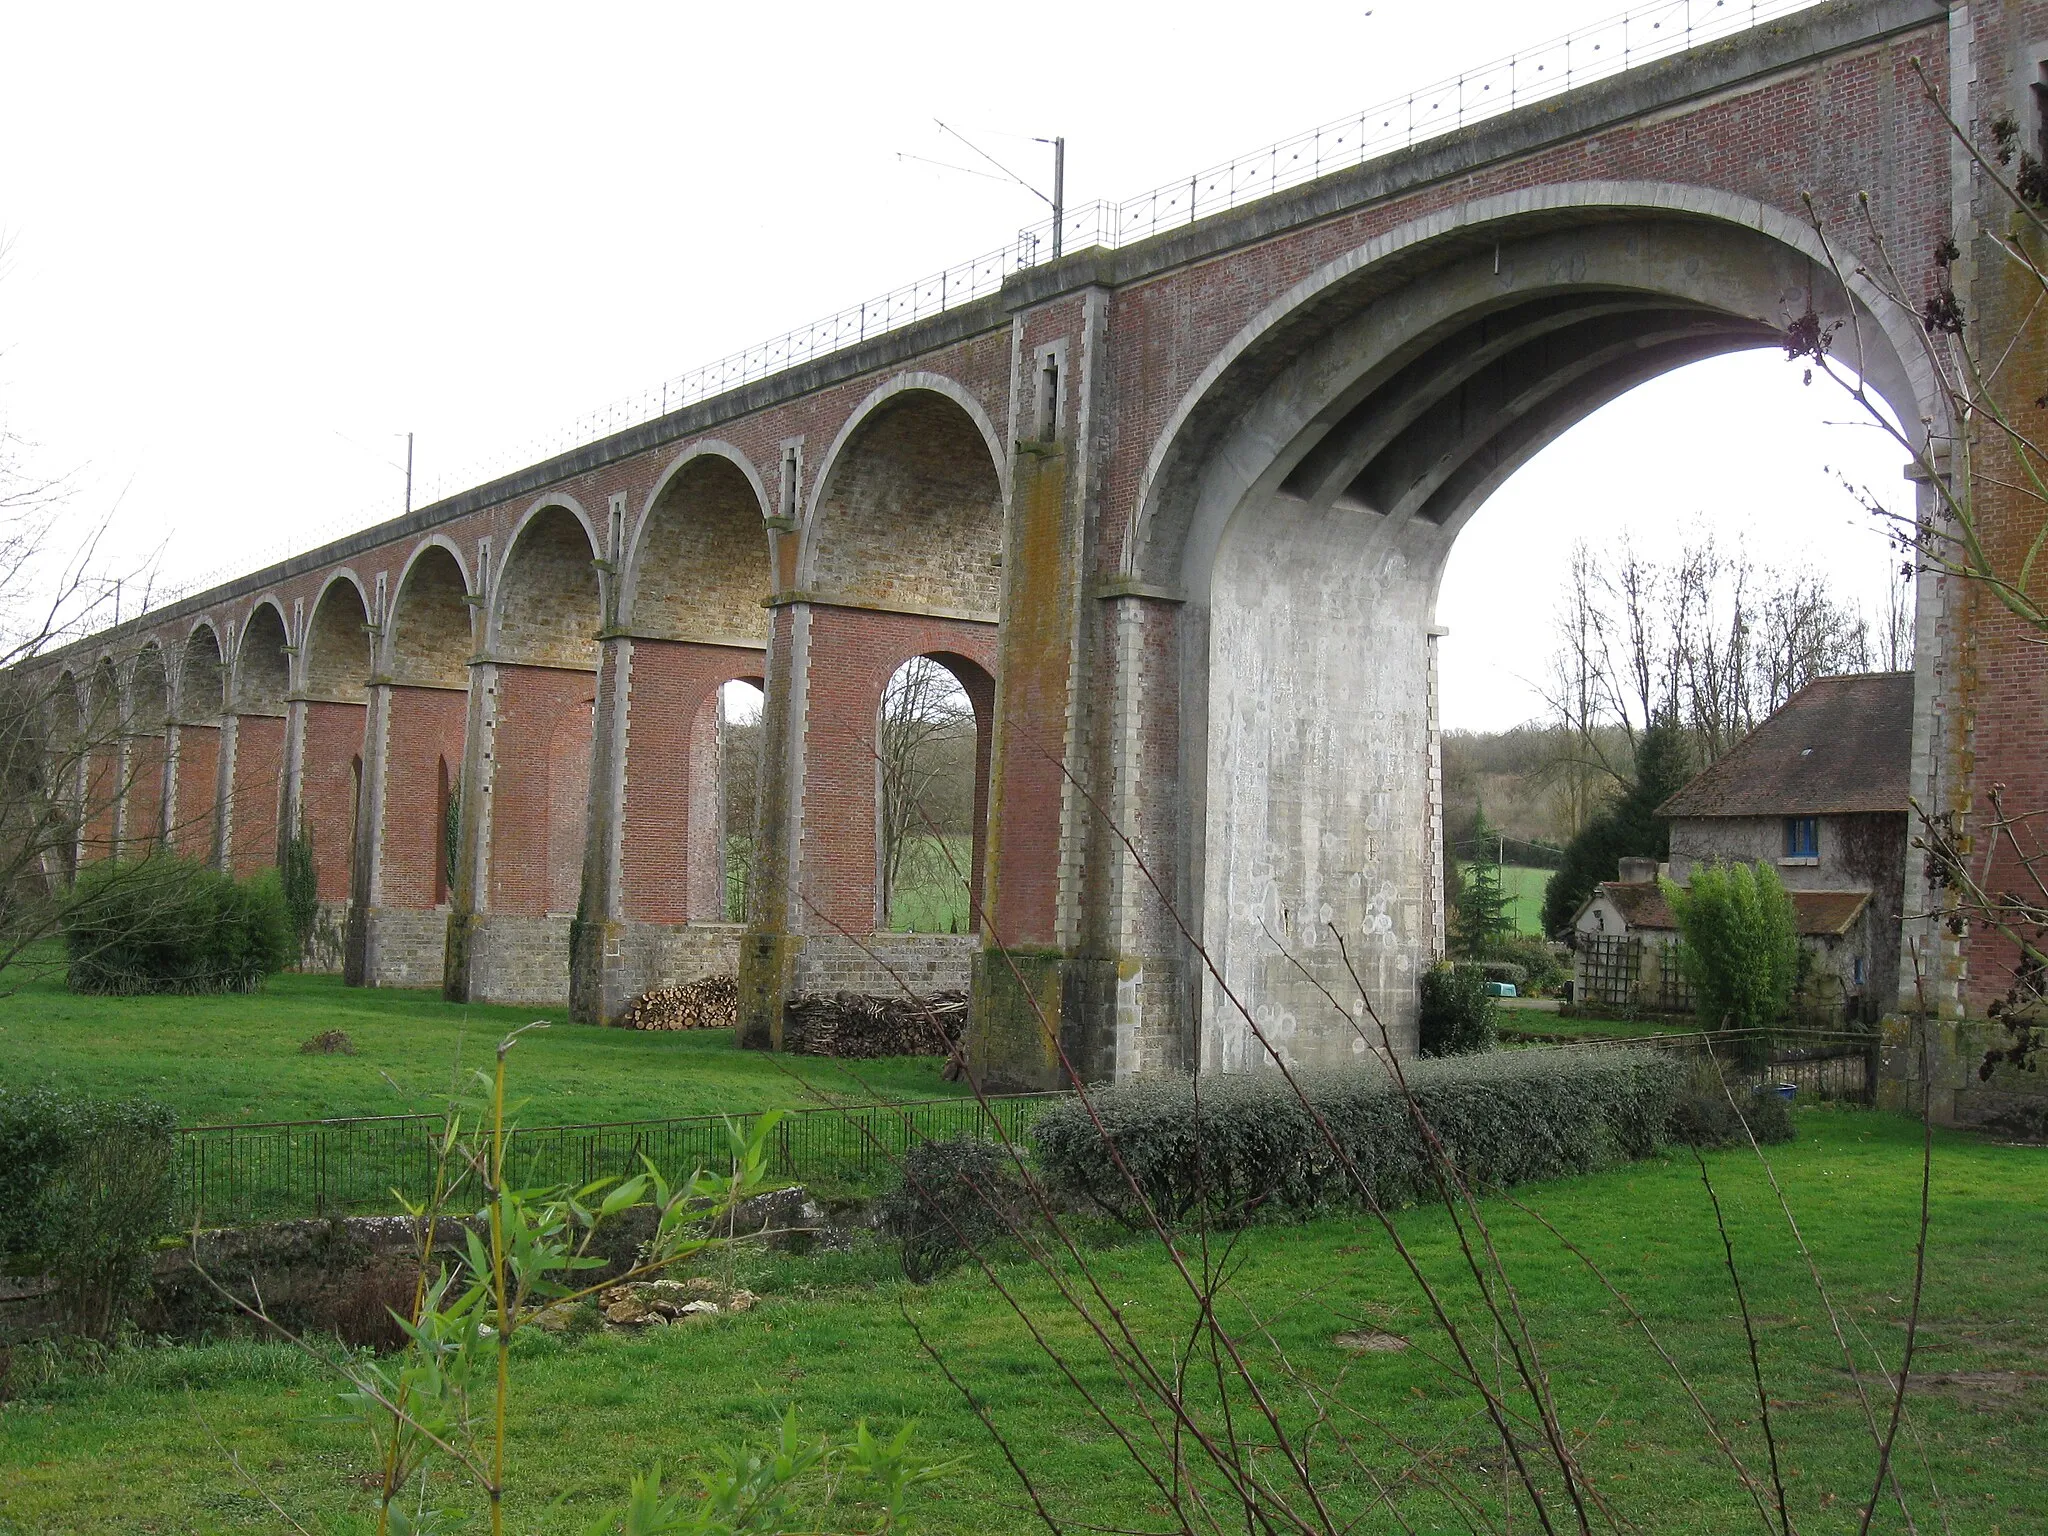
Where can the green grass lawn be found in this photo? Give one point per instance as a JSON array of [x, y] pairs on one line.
[[1544, 1022], [140, 1448], [931, 893], [237, 1058]]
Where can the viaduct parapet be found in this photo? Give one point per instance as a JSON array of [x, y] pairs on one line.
[[1173, 514]]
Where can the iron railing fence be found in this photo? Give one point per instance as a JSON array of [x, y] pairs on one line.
[[1594, 52], [231, 1174]]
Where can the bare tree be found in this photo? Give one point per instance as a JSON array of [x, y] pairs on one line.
[[75, 742], [1699, 641], [1893, 640], [926, 717]]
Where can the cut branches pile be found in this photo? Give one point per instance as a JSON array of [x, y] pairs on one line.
[[856, 1025]]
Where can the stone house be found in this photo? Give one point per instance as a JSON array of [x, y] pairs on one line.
[[1818, 791]]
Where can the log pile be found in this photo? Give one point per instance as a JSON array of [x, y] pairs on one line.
[[711, 1002], [852, 1024]]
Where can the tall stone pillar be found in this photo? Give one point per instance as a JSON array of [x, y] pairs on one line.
[[365, 860], [774, 941], [466, 901], [1045, 984], [599, 923], [291, 800]]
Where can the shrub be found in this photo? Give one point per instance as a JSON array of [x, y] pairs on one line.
[[1705, 1114], [953, 1197], [1458, 1016], [1739, 948], [1542, 971], [167, 924], [85, 1190], [1237, 1144]]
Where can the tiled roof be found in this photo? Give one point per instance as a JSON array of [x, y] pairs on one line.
[[1839, 745], [1641, 906], [1815, 914]]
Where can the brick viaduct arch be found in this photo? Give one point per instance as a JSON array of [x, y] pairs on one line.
[[1175, 513], [253, 746]]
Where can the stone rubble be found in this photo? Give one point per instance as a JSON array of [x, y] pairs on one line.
[[659, 1303]]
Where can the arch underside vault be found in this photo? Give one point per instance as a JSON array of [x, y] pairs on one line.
[[1305, 510]]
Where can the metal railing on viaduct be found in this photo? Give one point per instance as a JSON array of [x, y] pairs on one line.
[[1593, 52]]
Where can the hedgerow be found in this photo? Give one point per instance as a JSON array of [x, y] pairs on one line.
[[86, 1188], [1247, 1142]]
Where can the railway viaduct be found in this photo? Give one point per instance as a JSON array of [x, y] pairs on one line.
[[1173, 513]]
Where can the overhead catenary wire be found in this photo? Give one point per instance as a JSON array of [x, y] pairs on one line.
[[1592, 52]]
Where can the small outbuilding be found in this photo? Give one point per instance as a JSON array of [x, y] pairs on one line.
[[1819, 791]]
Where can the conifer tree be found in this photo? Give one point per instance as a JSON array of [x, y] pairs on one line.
[[1480, 918]]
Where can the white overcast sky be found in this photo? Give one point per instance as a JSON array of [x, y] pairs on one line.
[[253, 246]]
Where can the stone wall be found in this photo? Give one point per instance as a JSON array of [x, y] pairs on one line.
[[405, 946], [1946, 1072], [639, 957], [520, 959], [890, 964]]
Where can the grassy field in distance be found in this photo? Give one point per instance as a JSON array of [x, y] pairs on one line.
[[1524, 886]]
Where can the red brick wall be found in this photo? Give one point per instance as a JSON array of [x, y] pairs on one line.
[[672, 687], [426, 728], [329, 774], [540, 784], [853, 654], [1855, 123], [198, 769], [257, 784], [143, 821], [1999, 706]]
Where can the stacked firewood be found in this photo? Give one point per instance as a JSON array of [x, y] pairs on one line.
[[852, 1024], [711, 1002]]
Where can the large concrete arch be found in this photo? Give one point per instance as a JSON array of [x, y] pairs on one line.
[[1893, 354], [907, 511], [1302, 504]]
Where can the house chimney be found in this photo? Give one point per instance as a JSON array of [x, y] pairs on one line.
[[1638, 871]]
